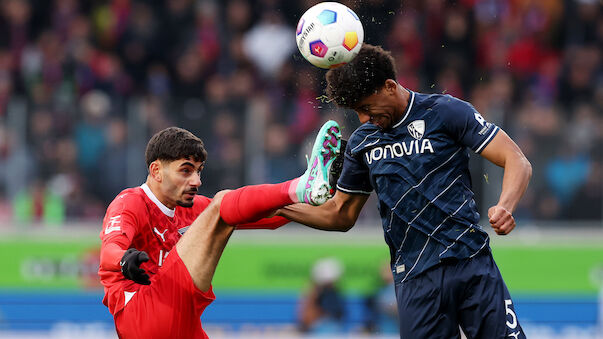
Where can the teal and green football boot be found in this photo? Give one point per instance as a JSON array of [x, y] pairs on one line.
[[313, 186]]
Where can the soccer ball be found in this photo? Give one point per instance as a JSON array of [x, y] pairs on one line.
[[329, 34]]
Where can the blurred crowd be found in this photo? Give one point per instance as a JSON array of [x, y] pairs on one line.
[[84, 84]]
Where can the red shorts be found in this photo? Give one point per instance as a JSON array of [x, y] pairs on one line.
[[170, 307]]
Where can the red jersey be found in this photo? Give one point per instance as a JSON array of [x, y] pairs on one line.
[[150, 226], [136, 218]]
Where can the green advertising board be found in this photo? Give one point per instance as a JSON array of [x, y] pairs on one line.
[[49, 262], [282, 262]]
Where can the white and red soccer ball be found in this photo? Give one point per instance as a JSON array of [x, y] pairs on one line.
[[329, 34]]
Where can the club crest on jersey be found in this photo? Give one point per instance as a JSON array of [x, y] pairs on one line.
[[417, 128]]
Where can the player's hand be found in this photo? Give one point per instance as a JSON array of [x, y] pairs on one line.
[[130, 266], [501, 220]]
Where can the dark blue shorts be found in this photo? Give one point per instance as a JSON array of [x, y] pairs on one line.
[[469, 293]]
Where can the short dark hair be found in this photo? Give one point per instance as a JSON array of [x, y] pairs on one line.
[[361, 77], [174, 143]]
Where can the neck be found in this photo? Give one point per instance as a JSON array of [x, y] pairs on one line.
[[405, 97], [154, 187], [403, 102]]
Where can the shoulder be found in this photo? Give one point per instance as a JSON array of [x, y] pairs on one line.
[[130, 199], [447, 111], [437, 107], [363, 131], [447, 104], [362, 136], [125, 212]]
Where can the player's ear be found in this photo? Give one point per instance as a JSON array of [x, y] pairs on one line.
[[155, 170], [390, 86]]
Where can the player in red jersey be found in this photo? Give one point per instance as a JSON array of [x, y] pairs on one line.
[[157, 278]]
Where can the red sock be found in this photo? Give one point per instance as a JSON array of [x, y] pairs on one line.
[[251, 203]]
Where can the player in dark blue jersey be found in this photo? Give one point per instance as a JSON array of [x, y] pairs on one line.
[[412, 150]]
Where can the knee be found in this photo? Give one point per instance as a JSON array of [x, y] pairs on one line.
[[219, 197], [216, 203]]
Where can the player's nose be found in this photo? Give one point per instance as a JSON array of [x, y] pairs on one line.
[[195, 181]]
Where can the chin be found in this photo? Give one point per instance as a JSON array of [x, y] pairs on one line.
[[188, 203]]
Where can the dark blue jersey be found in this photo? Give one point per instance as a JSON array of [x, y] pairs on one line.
[[419, 170]]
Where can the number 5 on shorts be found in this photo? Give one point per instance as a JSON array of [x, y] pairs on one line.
[[510, 311]]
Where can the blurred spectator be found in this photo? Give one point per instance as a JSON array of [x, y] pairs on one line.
[[381, 306], [42, 141], [322, 309], [189, 69], [238, 15], [137, 45], [113, 164], [269, 43], [37, 204], [583, 22], [376, 17], [582, 70], [90, 131], [566, 173], [278, 151], [16, 164], [6, 80], [224, 164], [407, 48], [15, 29], [91, 139], [304, 116], [588, 199]]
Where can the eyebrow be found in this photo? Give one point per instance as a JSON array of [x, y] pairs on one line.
[[188, 163]]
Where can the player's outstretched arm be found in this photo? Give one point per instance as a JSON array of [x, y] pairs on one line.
[[337, 214], [505, 153]]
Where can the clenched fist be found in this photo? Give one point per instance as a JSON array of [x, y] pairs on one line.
[[501, 220]]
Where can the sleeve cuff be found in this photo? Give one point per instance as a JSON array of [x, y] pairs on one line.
[[487, 140], [353, 191]]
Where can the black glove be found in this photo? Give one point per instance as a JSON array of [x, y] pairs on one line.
[[337, 166], [130, 266]]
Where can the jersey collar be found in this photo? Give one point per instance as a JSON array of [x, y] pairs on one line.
[[166, 210], [408, 108]]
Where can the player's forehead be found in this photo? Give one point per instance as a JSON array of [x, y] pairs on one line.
[[187, 161], [368, 100]]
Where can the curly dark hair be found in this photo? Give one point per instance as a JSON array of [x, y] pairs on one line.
[[361, 77], [174, 143]]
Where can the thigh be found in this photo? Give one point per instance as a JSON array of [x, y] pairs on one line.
[[201, 246], [486, 310], [168, 308], [425, 308]]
